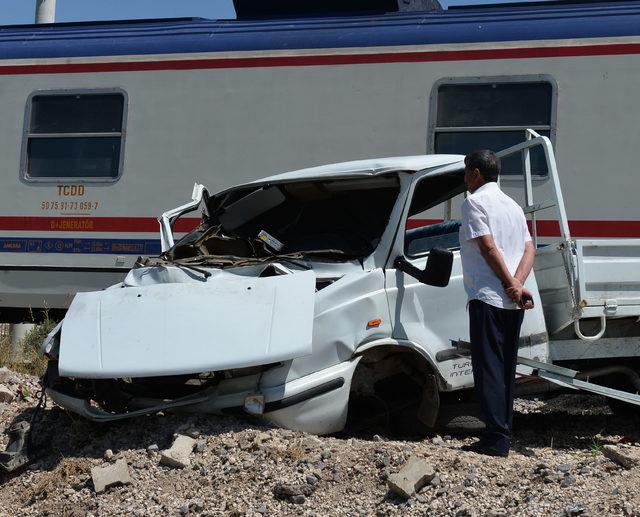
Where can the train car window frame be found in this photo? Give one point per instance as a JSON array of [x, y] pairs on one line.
[[550, 129], [28, 136]]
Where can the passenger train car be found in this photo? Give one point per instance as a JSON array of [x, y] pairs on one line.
[[106, 125]]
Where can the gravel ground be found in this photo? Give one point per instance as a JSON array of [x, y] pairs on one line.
[[243, 468]]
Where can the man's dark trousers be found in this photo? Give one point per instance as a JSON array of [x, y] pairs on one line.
[[494, 351]]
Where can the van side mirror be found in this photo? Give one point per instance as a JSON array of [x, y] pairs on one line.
[[437, 272]]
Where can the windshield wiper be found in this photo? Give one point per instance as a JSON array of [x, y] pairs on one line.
[[204, 273], [182, 265], [330, 252]]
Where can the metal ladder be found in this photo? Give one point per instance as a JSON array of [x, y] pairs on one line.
[[564, 377]]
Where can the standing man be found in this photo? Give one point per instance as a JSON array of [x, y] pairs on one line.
[[497, 255]]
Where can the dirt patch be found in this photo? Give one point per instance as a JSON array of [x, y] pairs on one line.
[[241, 467]]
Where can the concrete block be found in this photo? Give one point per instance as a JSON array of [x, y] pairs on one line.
[[7, 376], [111, 475], [415, 474], [179, 454], [628, 457], [6, 395]]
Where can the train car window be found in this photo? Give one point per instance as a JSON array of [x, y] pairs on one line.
[[74, 136], [492, 114]]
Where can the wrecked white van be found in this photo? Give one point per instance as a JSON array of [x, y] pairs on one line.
[[305, 298]]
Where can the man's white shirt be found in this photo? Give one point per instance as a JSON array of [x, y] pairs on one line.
[[489, 211]]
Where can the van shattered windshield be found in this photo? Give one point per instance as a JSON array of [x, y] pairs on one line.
[[332, 220]]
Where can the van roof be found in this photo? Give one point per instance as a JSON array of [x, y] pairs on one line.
[[364, 168]]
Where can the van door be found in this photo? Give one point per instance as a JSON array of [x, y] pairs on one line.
[[434, 317], [431, 316]]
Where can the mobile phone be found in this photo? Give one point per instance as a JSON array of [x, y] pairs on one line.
[[526, 298]]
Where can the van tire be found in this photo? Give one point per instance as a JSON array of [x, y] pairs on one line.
[[462, 416]]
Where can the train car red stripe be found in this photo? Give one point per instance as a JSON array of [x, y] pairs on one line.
[[549, 228], [93, 224], [613, 49], [546, 228]]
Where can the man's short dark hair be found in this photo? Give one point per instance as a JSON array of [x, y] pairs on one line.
[[486, 162]]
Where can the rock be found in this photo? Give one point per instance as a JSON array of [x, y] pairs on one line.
[[179, 453], [196, 505], [435, 481], [108, 455], [311, 442], [628, 457], [574, 509], [437, 440], [378, 438], [529, 453], [193, 432], [261, 438], [3, 407], [110, 476], [287, 492], [469, 480], [541, 466], [458, 489], [152, 449], [384, 461], [311, 479], [229, 443], [568, 481], [6, 395], [245, 444], [564, 468], [200, 446], [415, 474]]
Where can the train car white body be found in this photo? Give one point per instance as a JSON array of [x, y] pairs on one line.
[[221, 103]]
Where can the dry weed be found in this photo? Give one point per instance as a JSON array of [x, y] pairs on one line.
[[27, 359], [56, 479], [5, 351], [295, 453]]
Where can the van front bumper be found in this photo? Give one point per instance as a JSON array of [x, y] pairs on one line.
[[315, 403]]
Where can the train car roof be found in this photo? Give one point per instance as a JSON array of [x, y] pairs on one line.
[[535, 21]]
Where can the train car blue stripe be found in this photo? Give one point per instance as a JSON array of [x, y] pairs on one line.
[[197, 35], [90, 246]]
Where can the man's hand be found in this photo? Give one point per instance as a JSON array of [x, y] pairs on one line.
[[516, 292], [514, 289], [520, 295]]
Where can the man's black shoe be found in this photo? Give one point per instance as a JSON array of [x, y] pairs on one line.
[[480, 448]]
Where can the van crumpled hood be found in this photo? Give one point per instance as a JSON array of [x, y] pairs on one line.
[[226, 322]]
